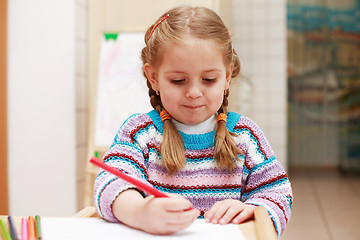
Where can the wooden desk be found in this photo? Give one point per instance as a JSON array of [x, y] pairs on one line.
[[261, 228]]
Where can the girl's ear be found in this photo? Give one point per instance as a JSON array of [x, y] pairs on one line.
[[151, 76], [228, 76]]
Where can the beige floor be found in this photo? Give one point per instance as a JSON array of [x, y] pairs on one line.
[[326, 206]]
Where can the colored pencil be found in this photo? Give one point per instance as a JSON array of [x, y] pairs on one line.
[[38, 227], [24, 229], [142, 186], [12, 228], [4, 232], [31, 228]]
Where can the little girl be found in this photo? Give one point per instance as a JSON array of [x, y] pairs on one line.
[[213, 164]]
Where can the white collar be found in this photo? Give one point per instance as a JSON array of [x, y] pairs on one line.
[[201, 128]]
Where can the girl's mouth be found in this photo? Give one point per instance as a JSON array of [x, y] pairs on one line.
[[193, 107]]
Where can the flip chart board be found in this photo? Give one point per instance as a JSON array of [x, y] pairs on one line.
[[121, 88]]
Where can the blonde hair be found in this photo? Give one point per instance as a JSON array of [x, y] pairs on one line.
[[202, 23]]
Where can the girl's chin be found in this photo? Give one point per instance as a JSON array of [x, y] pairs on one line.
[[191, 121]]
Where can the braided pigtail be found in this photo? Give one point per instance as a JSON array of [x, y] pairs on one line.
[[172, 147], [225, 151]]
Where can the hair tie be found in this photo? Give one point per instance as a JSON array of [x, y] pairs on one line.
[[152, 31], [221, 117], [164, 115]]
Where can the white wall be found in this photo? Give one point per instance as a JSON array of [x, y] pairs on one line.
[[41, 105], [82, 97], [259, 37]]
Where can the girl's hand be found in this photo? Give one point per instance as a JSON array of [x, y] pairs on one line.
[[167, 215], [229, 211], [154, 215]]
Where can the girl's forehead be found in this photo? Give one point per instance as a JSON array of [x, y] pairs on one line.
[[190, 40], [191, 45], [192, 54]]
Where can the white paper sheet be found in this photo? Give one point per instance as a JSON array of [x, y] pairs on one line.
[[99, 229]]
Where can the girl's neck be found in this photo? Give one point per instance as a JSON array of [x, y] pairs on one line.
[[201, 128]]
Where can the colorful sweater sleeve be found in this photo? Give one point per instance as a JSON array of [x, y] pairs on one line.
[[266, 183], [124, 154]]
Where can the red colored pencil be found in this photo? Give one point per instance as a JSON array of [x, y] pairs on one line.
[[142, 186]]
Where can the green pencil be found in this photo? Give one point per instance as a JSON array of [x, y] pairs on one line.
[[38, 227], [5, 233]]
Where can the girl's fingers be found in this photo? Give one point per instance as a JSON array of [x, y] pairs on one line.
[[176, 204], [231, 213], [183, 217], [176, 221], [208, 215], [247, 213], [230, 210], [167, 215], [217, 211]]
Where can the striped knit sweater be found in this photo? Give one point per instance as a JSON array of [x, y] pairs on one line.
[[258, 178]]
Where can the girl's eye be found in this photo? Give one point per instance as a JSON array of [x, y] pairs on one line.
[[177, 81], [209, 80]]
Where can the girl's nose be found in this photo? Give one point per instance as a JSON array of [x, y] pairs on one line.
[[193, 91]]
